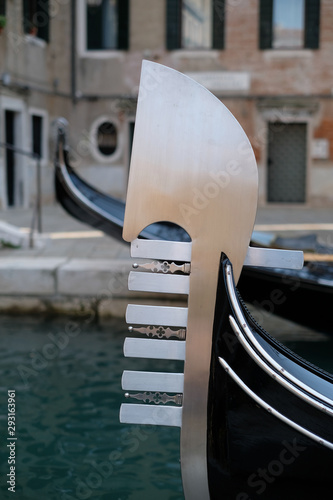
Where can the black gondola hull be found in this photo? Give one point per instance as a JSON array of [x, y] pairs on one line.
[[252, 453]]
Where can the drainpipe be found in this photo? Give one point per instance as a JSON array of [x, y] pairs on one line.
[[73, 51]]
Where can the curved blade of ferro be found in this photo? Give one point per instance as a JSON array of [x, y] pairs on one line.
[[192, 165]]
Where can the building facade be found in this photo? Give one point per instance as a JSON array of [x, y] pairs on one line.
[[269, 61]]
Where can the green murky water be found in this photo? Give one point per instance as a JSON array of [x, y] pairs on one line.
[[70, 445]]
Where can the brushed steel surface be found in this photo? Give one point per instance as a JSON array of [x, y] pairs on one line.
[[192, 165], [271, 257], [150, 414], [258, 257], [154, 349], [156, 315], [152, 381], [181, 251], [162, 250], [162, 283]]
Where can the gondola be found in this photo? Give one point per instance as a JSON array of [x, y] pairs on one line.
[[255, 418], [289, 293]]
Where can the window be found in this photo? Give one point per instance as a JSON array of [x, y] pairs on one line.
[[36, 18], [37, 135], [195, 24], [2, 7], [107, 24], [288, 24], [107, 138]]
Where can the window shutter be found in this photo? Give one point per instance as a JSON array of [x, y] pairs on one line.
[[43, 19], [173, 28], [218, 23], [36, 16], [312, 21], [94, 27], [37, 131], [123, 24], [26, 16], [266, 24], [2, 7]]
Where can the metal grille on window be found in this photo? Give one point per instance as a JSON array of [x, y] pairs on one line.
[[287, 162]]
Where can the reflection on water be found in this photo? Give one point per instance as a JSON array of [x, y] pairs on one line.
[[70, 444]]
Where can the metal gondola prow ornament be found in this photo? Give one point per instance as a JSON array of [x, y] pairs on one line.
[[192, 165]]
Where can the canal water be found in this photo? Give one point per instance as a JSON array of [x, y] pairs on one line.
[[69, 443]]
